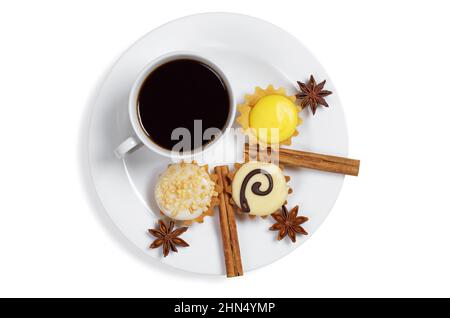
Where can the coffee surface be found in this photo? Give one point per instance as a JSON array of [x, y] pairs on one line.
[[178, 93]]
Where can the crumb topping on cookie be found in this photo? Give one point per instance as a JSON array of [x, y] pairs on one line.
[[185, 187]]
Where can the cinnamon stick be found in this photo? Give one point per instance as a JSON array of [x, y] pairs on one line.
[[230, 242], [309, 160]]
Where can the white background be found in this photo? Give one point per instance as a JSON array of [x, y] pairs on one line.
[[388, 234]]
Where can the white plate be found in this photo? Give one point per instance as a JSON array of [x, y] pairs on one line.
[[251, 52]]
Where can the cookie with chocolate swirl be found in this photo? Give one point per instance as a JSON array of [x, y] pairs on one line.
[[258, 188]]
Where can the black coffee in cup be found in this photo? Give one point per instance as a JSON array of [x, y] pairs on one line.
[[178, 94]]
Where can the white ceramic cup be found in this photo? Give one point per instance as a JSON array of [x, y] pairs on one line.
[[140, 138]]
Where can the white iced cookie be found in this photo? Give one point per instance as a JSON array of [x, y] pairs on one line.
[[259, 188], [184, 191]]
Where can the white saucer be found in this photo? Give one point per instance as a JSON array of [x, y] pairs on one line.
[[252, 53]]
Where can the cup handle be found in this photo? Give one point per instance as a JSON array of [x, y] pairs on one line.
[[131, 143]]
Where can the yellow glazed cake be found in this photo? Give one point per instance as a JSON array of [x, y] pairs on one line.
[[269, 117]]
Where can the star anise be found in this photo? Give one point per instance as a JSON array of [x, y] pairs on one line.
[[312, 94], [288, 223], [168, 237]]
